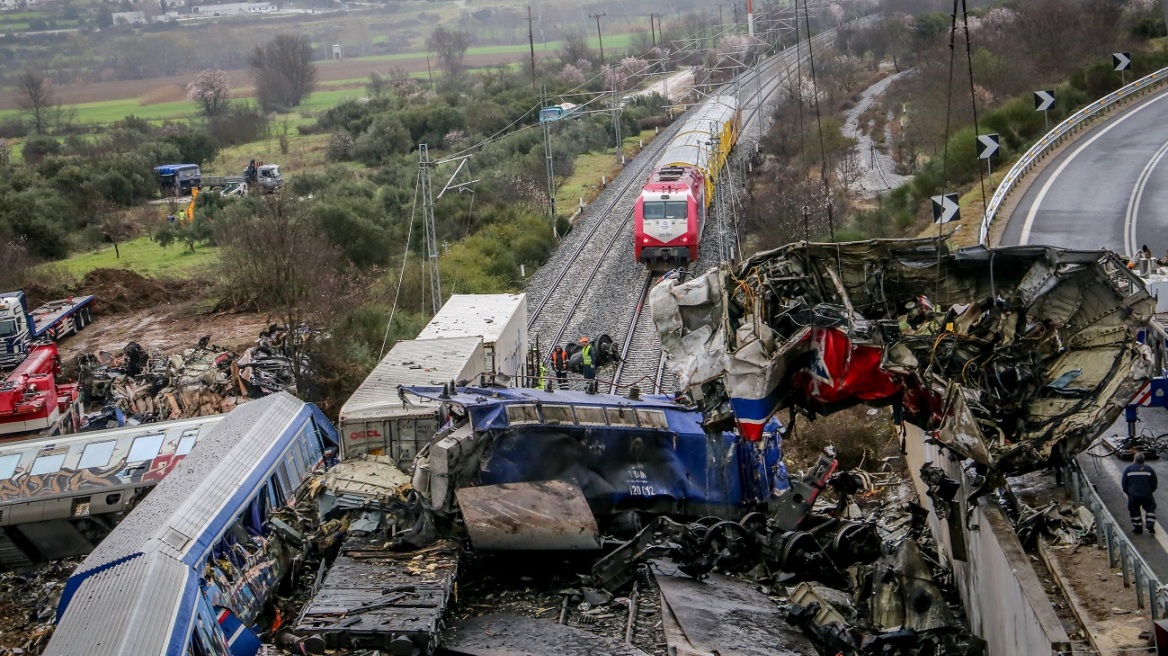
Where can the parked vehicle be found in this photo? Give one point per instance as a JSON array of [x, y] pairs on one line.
[[178, 179], [20, 327], [557, 112], [31, 399]]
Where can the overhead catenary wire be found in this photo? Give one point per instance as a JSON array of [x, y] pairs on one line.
[[401, 277]]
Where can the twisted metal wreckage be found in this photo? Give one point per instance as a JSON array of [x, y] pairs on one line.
[[1014, 358]]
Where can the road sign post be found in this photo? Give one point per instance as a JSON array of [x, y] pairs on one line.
[[1043, 100], [1122, 62], [945, 208], [987, 147]]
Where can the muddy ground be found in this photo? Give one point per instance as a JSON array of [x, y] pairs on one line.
[[165, 315]]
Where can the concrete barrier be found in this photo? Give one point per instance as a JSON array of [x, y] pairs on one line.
[[1005, 601]]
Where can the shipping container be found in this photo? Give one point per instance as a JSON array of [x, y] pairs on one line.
[[377, 421], [500, 319]]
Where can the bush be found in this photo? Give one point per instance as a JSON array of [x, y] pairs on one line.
[[38, 146], [13, 128], [341, 147], [242, 123], [386, 137]]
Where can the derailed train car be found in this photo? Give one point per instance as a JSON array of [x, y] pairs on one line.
[[623, 455], [1016, 358], [59, 496], [188, 571], [670, 213]]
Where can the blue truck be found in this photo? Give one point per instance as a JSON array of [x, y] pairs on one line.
[[20, 327], [178, 179]]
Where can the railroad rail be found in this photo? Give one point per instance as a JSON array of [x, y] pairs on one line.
[[572, 302]]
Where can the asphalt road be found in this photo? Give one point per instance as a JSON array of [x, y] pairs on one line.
[[1106, 189]]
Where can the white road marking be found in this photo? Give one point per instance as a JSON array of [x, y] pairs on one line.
[[1133, 203], [1030, 215]]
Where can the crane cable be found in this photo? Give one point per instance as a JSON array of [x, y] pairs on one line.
[[824, 168]]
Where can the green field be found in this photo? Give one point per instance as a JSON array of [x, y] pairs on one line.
[[144, 256]]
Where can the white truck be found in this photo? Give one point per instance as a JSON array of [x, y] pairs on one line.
[[473, 336], [375, 420]]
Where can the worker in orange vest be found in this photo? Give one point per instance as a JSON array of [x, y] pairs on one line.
[[560, 366]]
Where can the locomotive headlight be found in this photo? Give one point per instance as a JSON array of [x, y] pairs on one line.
[[645, 240], [685, 239]]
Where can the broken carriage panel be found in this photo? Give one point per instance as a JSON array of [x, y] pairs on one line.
[[1040, 342], [203, 542], [60, 496], [649, 454]]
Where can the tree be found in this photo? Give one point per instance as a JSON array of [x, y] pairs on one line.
[[450, 46], [575, 47], [105, 16], [274, 257], [35, 98], [211, 90], [283, 71]]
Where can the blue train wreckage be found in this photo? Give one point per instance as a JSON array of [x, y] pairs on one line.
[[646, 455]]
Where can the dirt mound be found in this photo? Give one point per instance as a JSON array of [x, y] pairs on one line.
[[122, 290]]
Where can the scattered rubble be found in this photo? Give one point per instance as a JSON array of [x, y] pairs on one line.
[[205, 379]]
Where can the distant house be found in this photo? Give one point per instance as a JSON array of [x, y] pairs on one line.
[[235, 9], [128, 17]]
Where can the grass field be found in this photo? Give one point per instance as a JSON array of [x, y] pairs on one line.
[[144, 256], [330, 93], [585, 180]]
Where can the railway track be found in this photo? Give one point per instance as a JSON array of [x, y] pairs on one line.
[[582, 290]]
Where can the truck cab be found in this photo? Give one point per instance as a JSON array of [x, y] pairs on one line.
[[268, 177], [15, 324], [21, 327], [178, 179]]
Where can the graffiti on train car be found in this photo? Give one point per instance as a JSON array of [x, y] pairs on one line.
[[24, 486]]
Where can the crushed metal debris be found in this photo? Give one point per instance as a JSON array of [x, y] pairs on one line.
[[1016, 358]]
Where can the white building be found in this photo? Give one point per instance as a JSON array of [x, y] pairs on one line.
[[128, 17], [235, 9]]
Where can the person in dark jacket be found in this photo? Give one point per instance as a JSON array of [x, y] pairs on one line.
[[560, 366], [1139, 483]]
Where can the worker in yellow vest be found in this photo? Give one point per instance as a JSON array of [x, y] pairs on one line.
[[587, 362]]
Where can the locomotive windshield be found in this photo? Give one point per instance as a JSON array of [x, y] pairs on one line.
[[674, 209]]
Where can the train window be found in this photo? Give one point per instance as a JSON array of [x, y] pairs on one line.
[[675, 209], [186, 442], [8, 466], [622, 417], [145, 448], [97, 454], [295, 462], [652, 418], [522, 413], [655, 210], [558, 414], [589, 415], [285, 481], [47, 464]]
